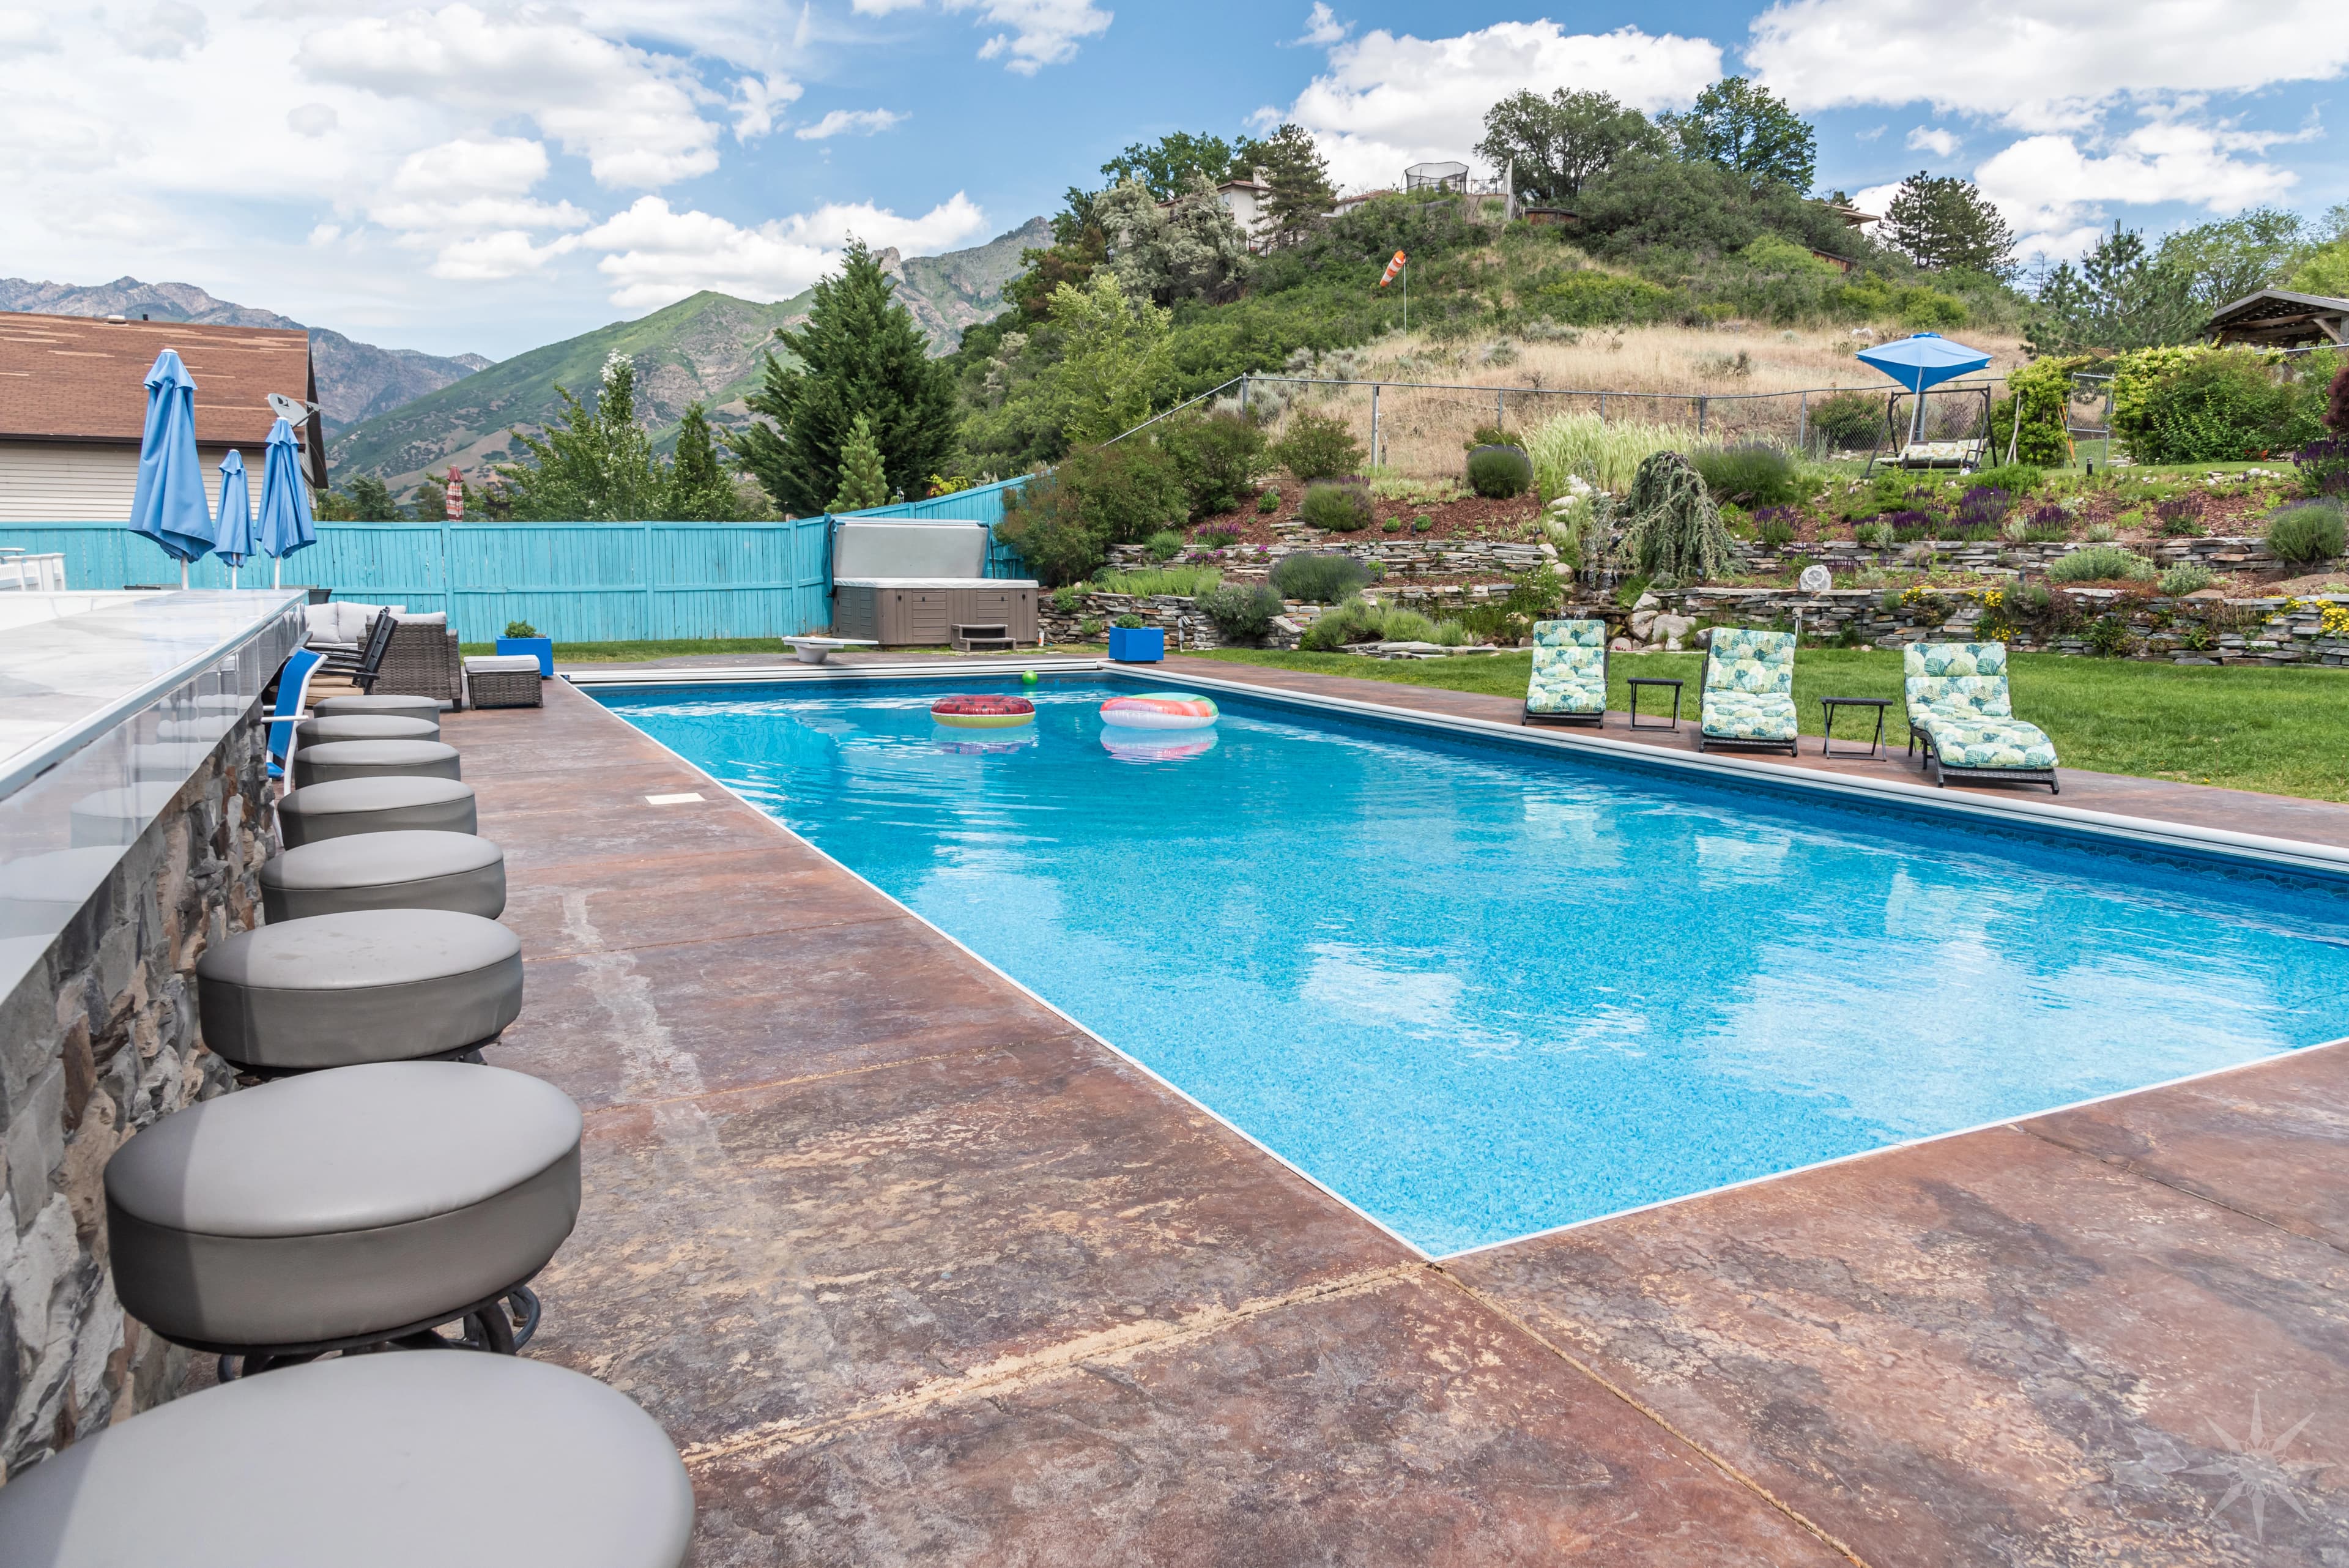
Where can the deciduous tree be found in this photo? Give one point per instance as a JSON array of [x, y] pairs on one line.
[[1557, 144], [1190, 248], [597, 464], [1166, 166], [1749, 130]]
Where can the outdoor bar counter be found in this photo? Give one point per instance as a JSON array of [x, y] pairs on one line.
[[134, 801]]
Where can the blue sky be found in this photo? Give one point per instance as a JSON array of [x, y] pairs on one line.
[[490, 176]]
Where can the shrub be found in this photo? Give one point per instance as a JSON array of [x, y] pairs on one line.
[[2324, 465], [521, 629], [1216, 457], [2017, 479], [1129, 621], [1067, 600], [2187, 579], [1319, 580], [1217, 538], [1982, 509], [1165, 544], [1875, 535], [1497, 472], [1042, 521], [1449, 634], [2181, 516], [2099, 564], [1318, 446], [1143, 581], [1242, 612], [1407, 626], [1392, 525], [2028, 604], [1488, 435], [1847, 421], [1127, 491], [1608, 452], [1340, 508], [1747, 475], [2221, 408], [1268, 503], [1671, 526], [2043, 389], [2306, 531], [1422, 523], [1774, 526], [2101, 534], [2109, 637], [1350, 620]]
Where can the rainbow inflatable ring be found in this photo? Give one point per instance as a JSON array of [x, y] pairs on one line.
[[983, 712], [1160, 710]]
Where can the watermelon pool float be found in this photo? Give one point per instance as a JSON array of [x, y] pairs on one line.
[[1160, 710], [983, 712]]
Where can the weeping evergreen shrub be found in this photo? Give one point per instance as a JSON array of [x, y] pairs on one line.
[[1672, 529]]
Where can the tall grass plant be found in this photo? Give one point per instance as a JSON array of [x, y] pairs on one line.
[[1607, 453]]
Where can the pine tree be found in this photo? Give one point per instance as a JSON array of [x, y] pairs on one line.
[[860, 353], [1300, 177], [862, 482], [1946, 222], [700, 489]]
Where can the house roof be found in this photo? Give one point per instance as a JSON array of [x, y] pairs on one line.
[[2276, 305], [81, 379]]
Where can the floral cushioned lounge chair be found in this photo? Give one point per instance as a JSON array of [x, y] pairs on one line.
[[1959, 710], [1749, 690], [1569, 683]]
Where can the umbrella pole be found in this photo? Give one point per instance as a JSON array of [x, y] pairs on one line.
[[183, 576], [232, 579], [277, 571]]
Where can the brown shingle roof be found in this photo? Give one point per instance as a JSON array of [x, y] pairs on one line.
[[80, 377]]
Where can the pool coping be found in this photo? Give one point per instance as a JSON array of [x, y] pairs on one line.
[[1744, 767]]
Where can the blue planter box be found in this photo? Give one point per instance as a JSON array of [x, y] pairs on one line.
[[539, 647], [1137, 644]]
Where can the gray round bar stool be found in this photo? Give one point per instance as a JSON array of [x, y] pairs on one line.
[[343, 1210], [383, 705], [373, 985], [375, 805], [335, 759], [386, 871], [363, 727], [374, 1461]]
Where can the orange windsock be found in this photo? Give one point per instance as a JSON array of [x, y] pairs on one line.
[[1393, 267]]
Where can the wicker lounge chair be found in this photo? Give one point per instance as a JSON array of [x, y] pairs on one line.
[[422, 661], [1749, 692], [1960, 712], [1569, 680]]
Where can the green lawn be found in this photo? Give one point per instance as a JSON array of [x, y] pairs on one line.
[[2282, 729], [629, 652]]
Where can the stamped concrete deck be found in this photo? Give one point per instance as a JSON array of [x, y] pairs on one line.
[[913, 1270]]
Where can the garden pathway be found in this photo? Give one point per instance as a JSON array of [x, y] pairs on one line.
[[911, 1269]]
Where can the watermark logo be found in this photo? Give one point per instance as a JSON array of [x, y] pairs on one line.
[[2255, 1468]]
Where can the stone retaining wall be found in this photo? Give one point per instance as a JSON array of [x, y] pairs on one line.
[[98, 1040], [1993, 556]]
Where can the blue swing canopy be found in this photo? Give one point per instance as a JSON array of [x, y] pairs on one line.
[[1925, 359]]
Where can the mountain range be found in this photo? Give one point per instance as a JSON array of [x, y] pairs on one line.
[[355, 381], [708, 348]]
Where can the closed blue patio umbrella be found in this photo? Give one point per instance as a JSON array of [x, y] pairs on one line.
[[168, 506], [285, 523], [1922, 360], [234, 530]]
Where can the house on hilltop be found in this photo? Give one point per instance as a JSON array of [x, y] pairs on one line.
[[73, 407]]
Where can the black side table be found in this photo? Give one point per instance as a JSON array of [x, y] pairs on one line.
[[1826, 727], [1639, 680]]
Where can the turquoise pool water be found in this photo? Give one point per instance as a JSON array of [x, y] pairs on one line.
[[1482, 991]]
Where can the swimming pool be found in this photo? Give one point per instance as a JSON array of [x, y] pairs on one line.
[[1481, 989]]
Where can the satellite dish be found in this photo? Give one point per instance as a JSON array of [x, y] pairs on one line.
[[293, 411]]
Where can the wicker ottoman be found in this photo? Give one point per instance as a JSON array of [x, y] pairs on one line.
[[502, 681]]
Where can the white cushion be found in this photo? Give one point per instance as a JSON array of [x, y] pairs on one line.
[[353, 619], [481, 663], [433, 618], [322, 622]]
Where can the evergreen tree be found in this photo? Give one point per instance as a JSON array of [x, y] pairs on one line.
[[1945, 222], [700, 488], [1749, 130], [598, 465], [862, 482], [1557, 144], [2119, 297], [1300, 177], [371, 502], [860, 353]]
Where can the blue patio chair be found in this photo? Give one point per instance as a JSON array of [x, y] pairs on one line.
[[1749, 692], [1961, 713], [293, 694], [1569, 678]]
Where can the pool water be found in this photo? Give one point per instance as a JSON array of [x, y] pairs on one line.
[[1481, 989]]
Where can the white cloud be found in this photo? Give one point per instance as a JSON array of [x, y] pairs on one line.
[[501, 166], [2039, 67], [657, 257], [1389, 101], [756, 99], [865, 122], [1934, 140], [631, 113], [312, 120], [508, 253], [2054, 192], [1039, 32], [26, 33], [171, 31], [1323, 27]]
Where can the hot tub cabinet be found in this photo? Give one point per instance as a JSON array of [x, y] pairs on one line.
[[922, 612]]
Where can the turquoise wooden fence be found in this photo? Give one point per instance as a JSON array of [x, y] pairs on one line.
[[576, 582]]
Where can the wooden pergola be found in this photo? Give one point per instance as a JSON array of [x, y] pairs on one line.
[[2278, 319]]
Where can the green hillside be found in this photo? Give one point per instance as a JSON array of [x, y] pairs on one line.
[[707, 349]]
